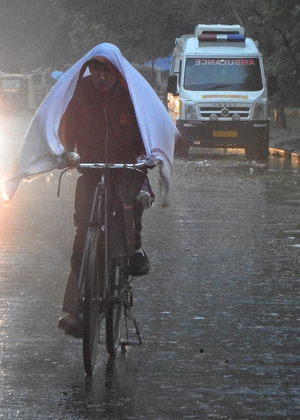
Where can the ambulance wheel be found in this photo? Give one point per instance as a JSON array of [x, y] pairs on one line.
[[258, 150], [262, 149], [182, 149], [250, 152]]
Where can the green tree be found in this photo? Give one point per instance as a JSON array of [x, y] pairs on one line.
[[142, 30], [33, 33], [53, 32]]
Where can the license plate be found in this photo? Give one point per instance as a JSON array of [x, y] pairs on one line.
[[225, 133]]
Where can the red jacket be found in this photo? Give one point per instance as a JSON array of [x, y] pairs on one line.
[[94, 118]]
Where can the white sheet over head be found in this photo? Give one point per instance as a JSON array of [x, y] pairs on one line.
[[41, 150]]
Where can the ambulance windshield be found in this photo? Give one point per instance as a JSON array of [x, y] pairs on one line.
[[217, 74]]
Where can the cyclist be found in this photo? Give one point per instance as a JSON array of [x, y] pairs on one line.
[[100, 100], [100, 124]]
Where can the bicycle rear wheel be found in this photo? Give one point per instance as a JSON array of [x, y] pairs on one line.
[[116, 310], [92, 302]]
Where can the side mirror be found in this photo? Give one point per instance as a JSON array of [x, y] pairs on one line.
[[172, 84], [272, 85]]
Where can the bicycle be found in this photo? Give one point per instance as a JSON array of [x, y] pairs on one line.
[[104, 282]]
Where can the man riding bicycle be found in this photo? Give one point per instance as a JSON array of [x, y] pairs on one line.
[[106, 111], [100, 124]]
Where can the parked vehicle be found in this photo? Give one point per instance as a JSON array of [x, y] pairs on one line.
[[16, 93], [217, 91], [42, 84]]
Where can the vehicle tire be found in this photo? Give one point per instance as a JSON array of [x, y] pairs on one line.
[[262, 149], [116, 310], [250, 151], [92, 303], [182, 149], [259, 150]]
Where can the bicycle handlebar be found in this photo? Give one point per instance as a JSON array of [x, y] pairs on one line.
[[72, 160], [111, 165]]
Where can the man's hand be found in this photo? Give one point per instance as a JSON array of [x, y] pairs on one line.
[[71, 158]]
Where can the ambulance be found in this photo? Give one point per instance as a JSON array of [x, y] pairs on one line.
[[217, 91]]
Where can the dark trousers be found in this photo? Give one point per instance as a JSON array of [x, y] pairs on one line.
[[84, 195]]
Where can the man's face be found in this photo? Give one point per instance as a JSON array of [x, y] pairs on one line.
[[102, 77]]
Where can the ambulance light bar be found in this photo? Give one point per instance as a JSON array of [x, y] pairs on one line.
[[221, 38]]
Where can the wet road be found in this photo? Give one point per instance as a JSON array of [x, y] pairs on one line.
[[218, 313]]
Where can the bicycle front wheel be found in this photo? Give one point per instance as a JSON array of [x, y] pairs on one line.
[[115, 311], [92, 302]]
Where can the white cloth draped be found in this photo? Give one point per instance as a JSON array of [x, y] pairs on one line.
[[41, 150]]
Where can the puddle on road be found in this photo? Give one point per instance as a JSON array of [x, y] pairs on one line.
[[283, 163], [234, 159], [280, 174]]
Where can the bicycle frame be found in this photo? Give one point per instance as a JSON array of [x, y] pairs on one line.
[[100, 199], [103, 280]]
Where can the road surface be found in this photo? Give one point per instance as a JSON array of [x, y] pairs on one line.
[[218, 313]]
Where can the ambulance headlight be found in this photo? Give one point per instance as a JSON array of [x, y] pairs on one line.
[[190, 111], [259, 111]]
